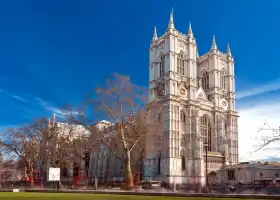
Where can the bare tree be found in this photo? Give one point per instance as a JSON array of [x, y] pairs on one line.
[[9, 164], [22, 144], [268, 135], [123, 104], [63, 144]]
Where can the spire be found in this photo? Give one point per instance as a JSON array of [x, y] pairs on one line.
[[48, 125], [171, 22], [214, 45], [53, 120], [228, 50], [190, 33], [197, 55], [155, 37]]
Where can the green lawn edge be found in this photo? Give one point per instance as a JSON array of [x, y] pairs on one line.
[[72, 196]]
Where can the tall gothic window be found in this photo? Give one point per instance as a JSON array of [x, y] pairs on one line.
[[223, 80], [183, 164], [161, 66], [182, 116], [205, 129], [87, 160], [183, 121], [205, 81], [180, 64], [159, 160]]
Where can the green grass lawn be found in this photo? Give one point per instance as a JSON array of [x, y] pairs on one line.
[[61, 196]]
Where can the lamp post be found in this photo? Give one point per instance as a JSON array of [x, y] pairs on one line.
[[206, 164]]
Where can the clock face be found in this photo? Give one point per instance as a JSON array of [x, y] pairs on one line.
[[223, 104]]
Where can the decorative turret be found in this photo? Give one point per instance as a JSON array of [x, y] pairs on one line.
[[53, 120], [155, 37], [214, 45], [228, 51], [190, 33], [171, 22]]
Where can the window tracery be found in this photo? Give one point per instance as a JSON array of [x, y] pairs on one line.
[[205, 128], [180, 64], [183, 164], [159, 161], [205, 81], [223, 80], [162, 65], [183, 121]]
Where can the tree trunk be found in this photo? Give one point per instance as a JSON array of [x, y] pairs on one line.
[[128, 172], [30, 175]]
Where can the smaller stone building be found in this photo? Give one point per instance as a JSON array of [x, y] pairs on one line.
[[247, 173]]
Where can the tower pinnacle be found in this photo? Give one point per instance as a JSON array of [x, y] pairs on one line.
[[48, 124], [214, 45], [155, 37], [228, 50], [53, 120], [171, 22], [190, 33]]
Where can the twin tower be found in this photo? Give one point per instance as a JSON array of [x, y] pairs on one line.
[[197, 98]]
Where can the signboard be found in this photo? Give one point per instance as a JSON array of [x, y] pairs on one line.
[[54, 174]]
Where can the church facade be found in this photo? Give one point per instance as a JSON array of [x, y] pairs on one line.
[[198, 119], [198, 132]]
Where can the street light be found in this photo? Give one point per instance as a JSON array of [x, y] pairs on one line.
[[206, 164]]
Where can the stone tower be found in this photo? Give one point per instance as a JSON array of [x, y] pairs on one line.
[[197, 98]]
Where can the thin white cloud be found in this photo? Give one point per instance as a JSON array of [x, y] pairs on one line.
[[269, 87], [5, 128], [19, 98], [250, 121], [49, 107]]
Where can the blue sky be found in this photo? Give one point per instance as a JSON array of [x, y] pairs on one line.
[[54, 51]]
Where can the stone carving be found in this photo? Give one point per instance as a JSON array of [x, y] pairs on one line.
[[161, 45], [224, 95], [223, 66], [182, 89], [204, 67], [160, 89], [199, 97]]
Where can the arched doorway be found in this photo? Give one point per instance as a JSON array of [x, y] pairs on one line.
[[212, 177]]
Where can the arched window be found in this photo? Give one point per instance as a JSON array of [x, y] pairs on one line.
[[182, 116], [225, 126], [223, 80], [180, 64], [161, 66], [205, 81], [183, 121], [205, 129], [159, 160], [183, 164], [87, 161]]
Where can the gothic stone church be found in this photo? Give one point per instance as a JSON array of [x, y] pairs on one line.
[[197, 98]]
